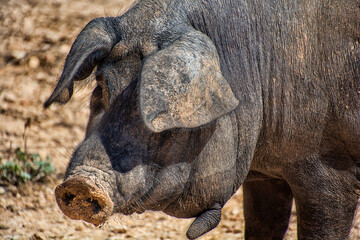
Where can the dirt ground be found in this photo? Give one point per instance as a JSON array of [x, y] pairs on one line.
[[35, 37]]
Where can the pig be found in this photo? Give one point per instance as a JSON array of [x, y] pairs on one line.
[[197, 98]]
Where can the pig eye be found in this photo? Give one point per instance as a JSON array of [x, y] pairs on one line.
[[103, 95], [96, 102]]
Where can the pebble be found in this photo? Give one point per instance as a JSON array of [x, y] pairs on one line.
[[2, 190], [237, 231], [50, 59], [42, 76], [119, 230], [64, 49], [28, 26], [235, 211], [36, 236], [3, 227], [18, 54], [14, 237], [42, 199], [34, 62], [13, 190], [3, 203], [79, 228], [10, 97], [162, 218]]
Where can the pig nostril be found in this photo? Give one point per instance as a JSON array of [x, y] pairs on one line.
[[81, 199], [68, 198], [95, 205]]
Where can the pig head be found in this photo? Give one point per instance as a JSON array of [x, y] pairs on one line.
[[162, 134]]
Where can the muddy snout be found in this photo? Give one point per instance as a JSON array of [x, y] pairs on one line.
[[80, 199]]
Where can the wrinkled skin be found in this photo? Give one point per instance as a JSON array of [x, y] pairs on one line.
[[194, 99]]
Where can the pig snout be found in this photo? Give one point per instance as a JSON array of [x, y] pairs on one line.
[[80, 199]]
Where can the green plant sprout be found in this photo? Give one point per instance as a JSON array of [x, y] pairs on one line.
[[25, 167]]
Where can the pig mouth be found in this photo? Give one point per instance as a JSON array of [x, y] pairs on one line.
[[80, 199], [134, 208]]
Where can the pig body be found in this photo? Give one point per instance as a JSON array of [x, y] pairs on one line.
[[195, 99]]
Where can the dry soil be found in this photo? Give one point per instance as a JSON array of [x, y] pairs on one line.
[[35, 37]]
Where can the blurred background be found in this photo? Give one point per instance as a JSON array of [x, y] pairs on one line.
[[35, 145]]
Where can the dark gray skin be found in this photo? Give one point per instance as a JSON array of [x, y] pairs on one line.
[[196, 98]]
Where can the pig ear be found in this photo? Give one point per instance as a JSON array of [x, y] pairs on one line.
[[182, 85], [93, 44]]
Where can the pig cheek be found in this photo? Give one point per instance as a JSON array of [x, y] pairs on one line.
[[133, 184], [169, 184]]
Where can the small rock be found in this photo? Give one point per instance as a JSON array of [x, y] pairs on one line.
[[33, 3], [41, 76], [162, 218], [25, 103], [28, 26], [36, 236], [57, 3], [12, 237], [2, 190], [3, 227], [13, 190], [237, 231], [42, 199], [49, 192], [30, 206], [12, 208], [235, 211], [34, 62], [119, 230], [3, 203], [50, 59], [79, 228], [10, 97], [18, 54], [64, 49]]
